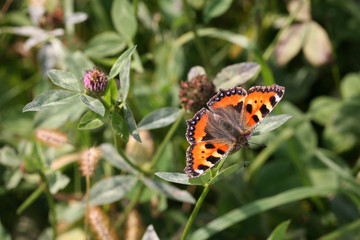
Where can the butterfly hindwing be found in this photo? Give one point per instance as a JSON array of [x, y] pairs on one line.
[[202, 156], [260, 101]]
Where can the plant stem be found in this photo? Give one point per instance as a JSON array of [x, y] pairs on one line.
[[52, 215], [130, 207], [204, 57], [166, 140], [195, 211]]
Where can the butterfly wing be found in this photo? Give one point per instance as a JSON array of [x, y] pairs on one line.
[[212, 134], [260, 101]]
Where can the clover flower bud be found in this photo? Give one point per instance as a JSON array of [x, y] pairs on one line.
[[95, 82]]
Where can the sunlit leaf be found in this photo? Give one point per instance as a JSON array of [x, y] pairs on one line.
[[57, 182], [124, 81], [180, 178], [289, 43], [169, 190], [317, 45], [150, 234], [90, 120], [280, 231], [271, 123], [51, 99], [123, 18], [159, 118], [111, 189], [214, 8], [9, 157], [236, 74], [323, 108], [121, 62], [94, 104], [105, 44], [350, 86]]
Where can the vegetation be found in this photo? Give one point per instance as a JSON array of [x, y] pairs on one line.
[[94, 99]]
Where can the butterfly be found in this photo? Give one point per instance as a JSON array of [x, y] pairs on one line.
[[227, 124]]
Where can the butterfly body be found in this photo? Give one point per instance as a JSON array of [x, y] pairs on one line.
[[227, 125]]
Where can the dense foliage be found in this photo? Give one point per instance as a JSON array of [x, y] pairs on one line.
[[94, 99]]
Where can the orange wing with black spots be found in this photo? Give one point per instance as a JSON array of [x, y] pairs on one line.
[[260, 101]]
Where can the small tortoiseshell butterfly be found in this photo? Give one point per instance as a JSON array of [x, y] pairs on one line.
[[233, 116]]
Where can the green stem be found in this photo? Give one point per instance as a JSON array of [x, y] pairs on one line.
[[204, 57], [50, 199], [195, 211], [166, 140]]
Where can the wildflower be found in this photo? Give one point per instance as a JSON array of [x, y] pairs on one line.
[[195, 93], [88, 161], [51, 137], [95, 82]]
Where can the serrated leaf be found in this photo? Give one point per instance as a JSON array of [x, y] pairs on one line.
[[129, 117], [317, 47], [150, 234], [65, 80], [159, 118], [236, 74], [120, 126], [124, 81], [214, 8], [111, 189], [271, 123], [112, 156], [169, 190], [94, 104], [123, 18], [280, 231], [289, 43], [90, 120], [121, 61], [105, 44], [50, 99], [180, 178]]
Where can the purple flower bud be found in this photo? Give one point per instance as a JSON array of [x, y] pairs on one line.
[[95, 82]]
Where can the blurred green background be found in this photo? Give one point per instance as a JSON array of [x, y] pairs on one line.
[[310, 47]]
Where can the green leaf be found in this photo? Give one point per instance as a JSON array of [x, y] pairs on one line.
[[51, 99], [159, 118], [323, 108], [90, 120], [180, 178], [350, 86], [123, 18], [65, 80], [236, 74], [105, 44], [271, 123], [214, 8], [129, 117], [94, 104], [121, 61], [111, 189], [9, 157], [169, 190], [239, 214], [124, 82], [111, 155], [120, 126], [77, 62], [280, 231], [111, 93], [226, 172], [57, 182]]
